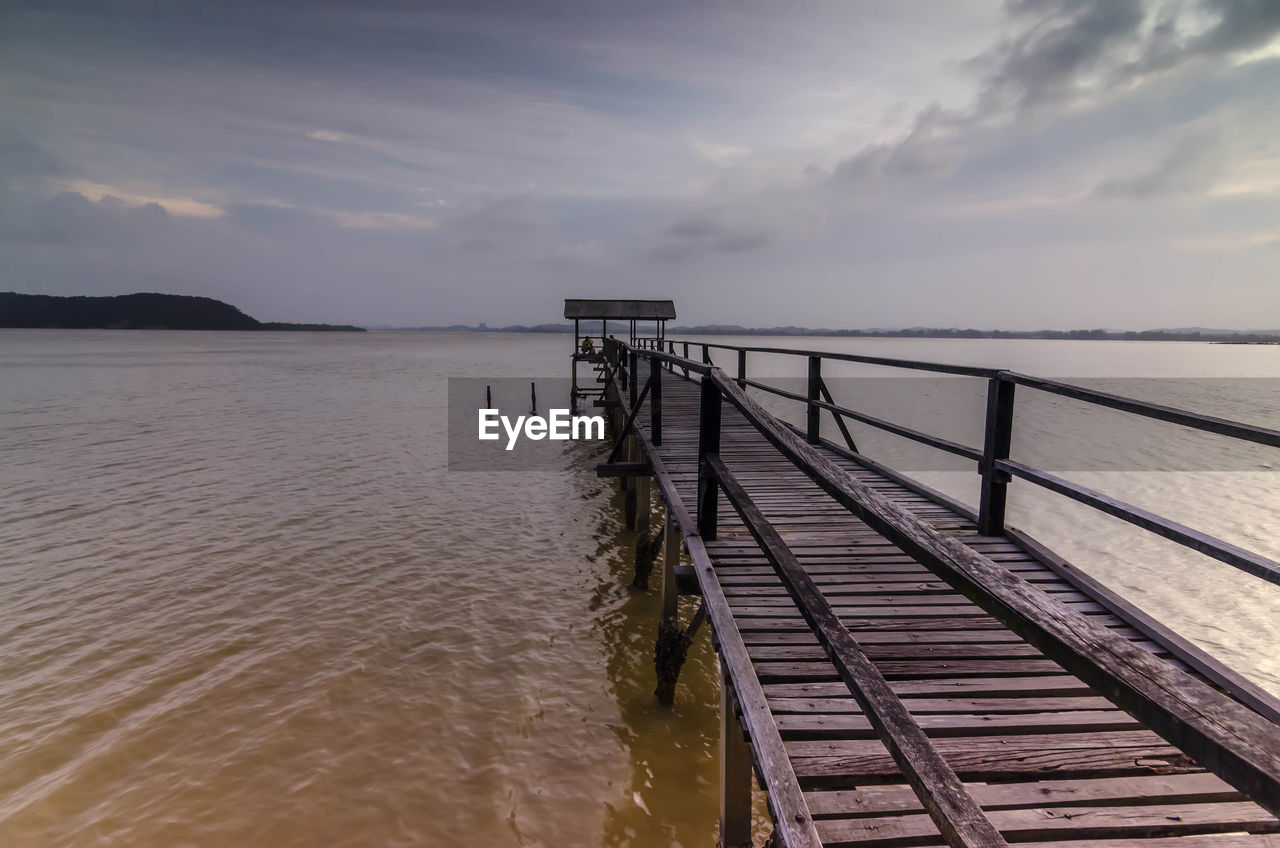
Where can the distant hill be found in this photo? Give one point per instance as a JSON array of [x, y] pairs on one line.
[[144, 311]]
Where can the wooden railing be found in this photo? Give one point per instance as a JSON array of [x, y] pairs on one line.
[[994, 464], [1230, 739]]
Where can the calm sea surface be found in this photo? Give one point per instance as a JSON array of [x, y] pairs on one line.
[[243, 601]]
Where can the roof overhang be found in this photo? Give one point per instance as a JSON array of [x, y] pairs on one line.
[[640, 310]]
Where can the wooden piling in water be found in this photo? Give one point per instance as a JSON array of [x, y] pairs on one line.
[[671, 647], [629, 487], [735, 771], [644, 556]]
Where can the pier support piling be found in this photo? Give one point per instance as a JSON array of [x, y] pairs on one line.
[[670, 559], [671, 650], [672, 646], [735, 771], [629, 486], [646, 548]]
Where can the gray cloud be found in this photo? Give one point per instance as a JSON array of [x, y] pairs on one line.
[[1191, 164], [1061, 41], [711, 230]]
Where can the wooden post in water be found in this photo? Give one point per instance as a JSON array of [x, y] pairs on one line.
[[644, 556], [670, 559], [999, 437], [488, 397], [735, 771], [533, 396], [672, 645], [629, 487]]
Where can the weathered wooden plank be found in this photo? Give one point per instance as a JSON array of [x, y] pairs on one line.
[[847, 763], [894, 637], [998, 687], [1082, 822], [922, 706], [814, 651], [768, 670], [1195, 788], [819, 726], [955, 814], [1217, 841]]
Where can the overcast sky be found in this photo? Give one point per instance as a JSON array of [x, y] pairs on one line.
[[1019, 165]]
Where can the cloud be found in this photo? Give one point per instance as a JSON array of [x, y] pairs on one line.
[[1193, 164], [384, 220], [182, 206], [1225, 243], [23, 160], [711, 230], [327, 135], [1068, 49], [1061, 44], [720, 154]]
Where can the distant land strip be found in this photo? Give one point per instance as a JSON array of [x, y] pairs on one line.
[[142, 311], [1180, 334]]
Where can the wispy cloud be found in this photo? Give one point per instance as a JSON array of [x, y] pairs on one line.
[[184, 206], [327, 135]]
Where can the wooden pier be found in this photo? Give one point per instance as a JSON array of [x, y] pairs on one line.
[[901, 670]]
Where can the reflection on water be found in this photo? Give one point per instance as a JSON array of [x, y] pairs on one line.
[[244, 603]]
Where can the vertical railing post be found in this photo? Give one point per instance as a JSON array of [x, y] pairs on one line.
[[655, 401], [742, 368], [999, 437], [708, 443], [573, 370], [632, 363], [686, 356], [812, 412]]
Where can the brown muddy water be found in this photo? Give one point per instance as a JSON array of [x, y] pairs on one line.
[[244, 602]]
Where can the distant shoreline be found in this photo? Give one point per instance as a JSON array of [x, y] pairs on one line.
[[141, 311], [1252, 337]]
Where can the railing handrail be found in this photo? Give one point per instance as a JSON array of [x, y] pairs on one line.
[[998, 469], [1146, 409], [912, 364]]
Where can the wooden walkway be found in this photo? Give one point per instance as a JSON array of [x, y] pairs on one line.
[[1048, 758]]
